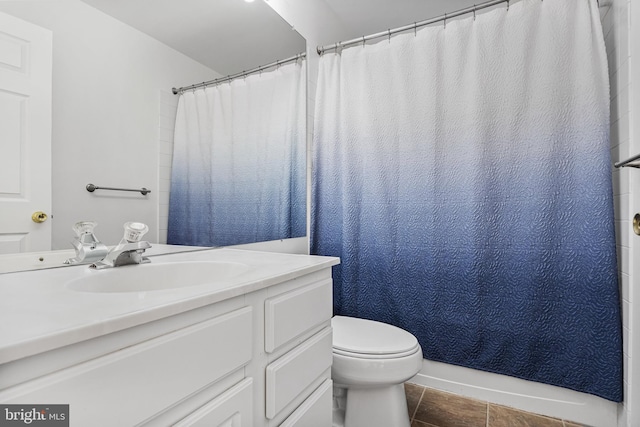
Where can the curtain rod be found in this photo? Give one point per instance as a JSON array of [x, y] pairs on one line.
[[230, 77], [322, 49]]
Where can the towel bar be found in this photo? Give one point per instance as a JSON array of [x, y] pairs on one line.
[[626, 163], [91, 188]]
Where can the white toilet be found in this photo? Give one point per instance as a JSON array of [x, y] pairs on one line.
[[371, 361]]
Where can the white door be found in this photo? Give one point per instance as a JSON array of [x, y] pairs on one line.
[[25, 136]]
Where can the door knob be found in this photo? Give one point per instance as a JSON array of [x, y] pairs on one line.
[[39, 217]]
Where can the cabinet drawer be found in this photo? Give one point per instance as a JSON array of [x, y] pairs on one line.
[[233, 408], [288, 376], [316, 411], [293, 313], [133, 384]]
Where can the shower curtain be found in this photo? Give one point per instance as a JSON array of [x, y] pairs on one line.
[[462, 173], [239, 162]]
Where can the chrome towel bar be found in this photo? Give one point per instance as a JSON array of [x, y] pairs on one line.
[[91, 188], [627, 162]]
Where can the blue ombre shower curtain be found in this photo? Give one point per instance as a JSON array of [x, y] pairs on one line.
[[463, 176], [238, 173]]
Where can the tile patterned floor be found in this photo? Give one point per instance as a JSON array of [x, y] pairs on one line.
[[433, 408]]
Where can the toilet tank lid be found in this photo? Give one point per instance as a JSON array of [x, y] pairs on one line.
[[369, 337]]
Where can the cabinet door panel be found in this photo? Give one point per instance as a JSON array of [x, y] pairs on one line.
[[288, 376], [315, 411], [232, 408], [142, 380], [291, 314]]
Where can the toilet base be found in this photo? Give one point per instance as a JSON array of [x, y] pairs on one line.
[[371, 407]]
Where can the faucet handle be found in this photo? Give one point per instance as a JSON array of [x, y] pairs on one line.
[[84, 233], [84, 227], [133, 231]]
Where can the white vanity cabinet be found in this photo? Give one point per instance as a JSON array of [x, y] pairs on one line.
[[256, 358]]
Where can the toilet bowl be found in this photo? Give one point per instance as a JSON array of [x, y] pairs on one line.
[[371, 361]]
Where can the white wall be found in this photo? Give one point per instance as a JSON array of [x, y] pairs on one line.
[[107, 79]]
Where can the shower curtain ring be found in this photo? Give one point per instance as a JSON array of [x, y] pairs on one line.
[[474, 12], [415, 29], [362, 41], [507, 5], [445, 20], [389, 34]]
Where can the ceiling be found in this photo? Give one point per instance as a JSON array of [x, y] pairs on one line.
[[230, 36]]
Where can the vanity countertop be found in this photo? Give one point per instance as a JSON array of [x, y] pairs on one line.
[[39, 311]]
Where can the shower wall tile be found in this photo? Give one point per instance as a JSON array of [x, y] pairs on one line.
[[625, 283], [164, 160], [618, 76], [620, 104], [621, 228], [623, 185], [620, 133], [625, 363], [621, 206], [165, 134], [168, 107], [623, 260], [625, 323]]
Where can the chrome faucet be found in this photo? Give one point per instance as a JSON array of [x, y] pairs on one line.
[[130, 249], [88, 248]]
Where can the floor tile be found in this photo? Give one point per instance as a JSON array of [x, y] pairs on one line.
[[414, 393], [449, 410], [501, 416]]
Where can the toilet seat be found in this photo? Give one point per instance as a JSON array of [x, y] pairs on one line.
[[368, 339], [376, 356]]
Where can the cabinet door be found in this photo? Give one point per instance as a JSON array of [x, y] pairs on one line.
[[315, 411], [232, 408], [291, 374], [291, 314]]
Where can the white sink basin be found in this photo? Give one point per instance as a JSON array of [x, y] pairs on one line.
[[158, 277]]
